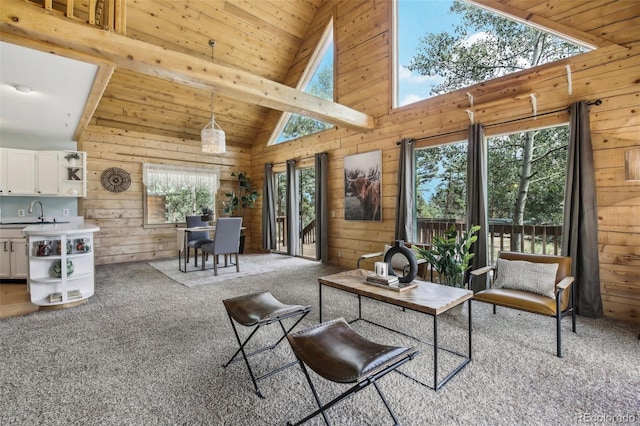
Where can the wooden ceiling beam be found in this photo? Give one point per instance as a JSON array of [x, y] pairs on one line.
[[24, 20], [542, 23], [97, 90]]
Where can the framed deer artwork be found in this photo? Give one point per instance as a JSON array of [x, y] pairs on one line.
[[362, 186]]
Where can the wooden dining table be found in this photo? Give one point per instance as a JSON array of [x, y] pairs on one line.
[[182, 238]]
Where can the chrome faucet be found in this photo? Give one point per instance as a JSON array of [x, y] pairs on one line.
[[41, 218]]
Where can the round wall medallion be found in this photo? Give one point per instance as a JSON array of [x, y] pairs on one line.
[[115, 179]]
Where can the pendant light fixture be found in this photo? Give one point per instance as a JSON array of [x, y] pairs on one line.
[[212, 139]]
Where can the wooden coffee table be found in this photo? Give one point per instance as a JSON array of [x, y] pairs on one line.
[[428, 298]]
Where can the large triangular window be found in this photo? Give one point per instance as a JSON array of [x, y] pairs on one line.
[[316, 80], [445, 45]]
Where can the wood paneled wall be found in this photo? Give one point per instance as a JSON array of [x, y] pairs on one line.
[[363, 81], [122, 236], [363, 43]]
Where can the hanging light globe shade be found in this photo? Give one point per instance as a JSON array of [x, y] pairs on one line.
[[212, 139]]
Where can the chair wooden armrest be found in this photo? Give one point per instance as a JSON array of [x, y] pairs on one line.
[[565, 283], [482, 271], [368, 256]]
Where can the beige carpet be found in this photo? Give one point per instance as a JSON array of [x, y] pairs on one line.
[[146, 351], [250, 264]]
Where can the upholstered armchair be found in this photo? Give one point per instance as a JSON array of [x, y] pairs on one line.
[[535, 283]]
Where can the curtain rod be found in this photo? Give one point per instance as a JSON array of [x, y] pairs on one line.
[[596, 102], [297, 159]]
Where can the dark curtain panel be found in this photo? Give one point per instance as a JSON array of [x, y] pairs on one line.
[[405, 204], [477, 172], [322, 207], [268, 210], [293, 209], [580, 226]]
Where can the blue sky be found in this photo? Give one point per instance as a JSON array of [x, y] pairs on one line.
[[416, 18]]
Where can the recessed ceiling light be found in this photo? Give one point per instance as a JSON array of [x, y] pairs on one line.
[[22, 88]]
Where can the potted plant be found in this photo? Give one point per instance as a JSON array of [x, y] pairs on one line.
[[450, 256], [243, 198], [72, 158], [206, 214]]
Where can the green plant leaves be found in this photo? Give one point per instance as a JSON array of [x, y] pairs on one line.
[[449, 255]]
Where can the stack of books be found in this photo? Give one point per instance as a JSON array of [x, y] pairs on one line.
[[389, 280], [71, 295]]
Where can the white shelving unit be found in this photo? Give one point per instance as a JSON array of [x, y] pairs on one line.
[[73, 175], [72, 250]]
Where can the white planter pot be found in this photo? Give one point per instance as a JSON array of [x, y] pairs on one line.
[[456, 310]]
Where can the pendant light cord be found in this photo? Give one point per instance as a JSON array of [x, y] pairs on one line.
[[212, 43]]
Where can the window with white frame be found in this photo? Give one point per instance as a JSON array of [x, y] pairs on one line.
[[173, 192]]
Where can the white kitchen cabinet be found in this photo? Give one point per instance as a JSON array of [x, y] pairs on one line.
[[14, 263], [61, 263], [21, 172], [3, 171], [47, 172]]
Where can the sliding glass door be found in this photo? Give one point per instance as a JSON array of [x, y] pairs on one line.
[[306, 207]]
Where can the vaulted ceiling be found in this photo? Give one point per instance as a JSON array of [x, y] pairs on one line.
[[268, 39], [260, 37]]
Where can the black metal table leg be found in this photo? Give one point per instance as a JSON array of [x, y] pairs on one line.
[[320, 298], [469, 302], [435, 352]]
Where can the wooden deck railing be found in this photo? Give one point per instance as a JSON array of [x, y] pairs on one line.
[[108, 14], [524, 238], [308, 233], [521, 238]]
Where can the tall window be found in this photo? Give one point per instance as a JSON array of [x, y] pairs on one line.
[[441, 189], [442, 182], [173, 192], [526, 181], [527, 176], [316, 80], [281, 211], [445, 45]]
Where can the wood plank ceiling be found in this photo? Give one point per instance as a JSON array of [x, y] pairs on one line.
[[263, 38], [260, 37]]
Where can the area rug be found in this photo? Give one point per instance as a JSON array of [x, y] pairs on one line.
[[250, 264]]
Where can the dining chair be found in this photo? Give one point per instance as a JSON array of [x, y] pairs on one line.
[[226, 241], [196, 239]]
